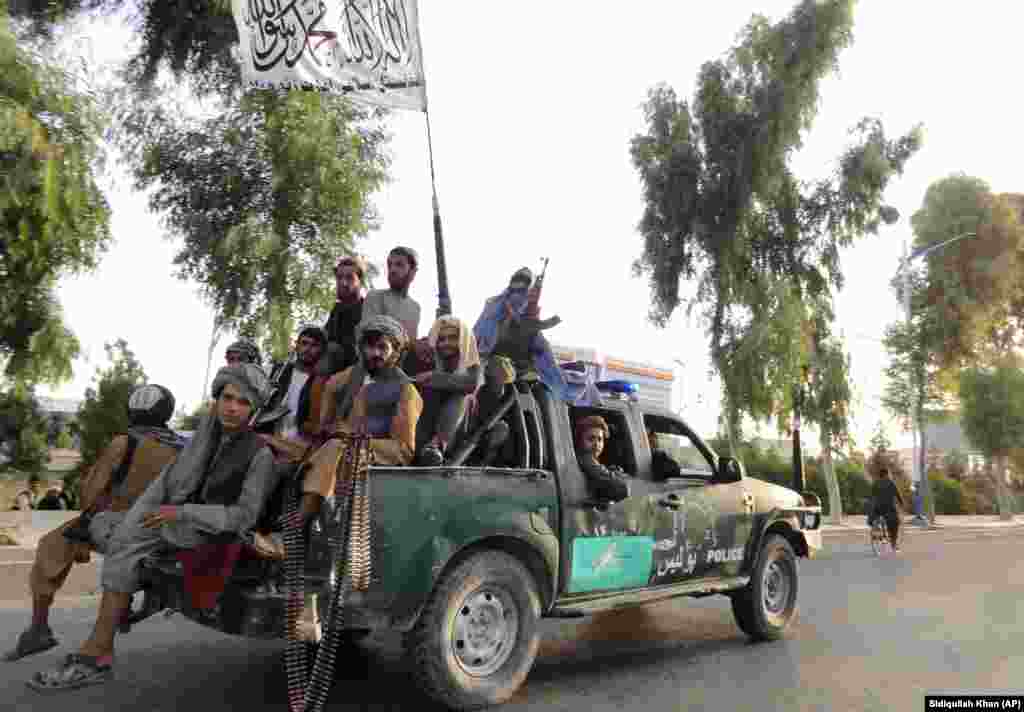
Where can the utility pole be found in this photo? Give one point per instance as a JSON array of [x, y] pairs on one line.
[[798, 456], [919, 472]]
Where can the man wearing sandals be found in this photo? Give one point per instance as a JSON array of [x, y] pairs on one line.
[[449, 390], [214, 491], [123, 471]]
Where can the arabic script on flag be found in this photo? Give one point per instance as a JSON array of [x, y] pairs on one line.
[[368, 49]]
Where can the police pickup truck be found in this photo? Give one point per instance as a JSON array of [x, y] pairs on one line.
[[467, 558]]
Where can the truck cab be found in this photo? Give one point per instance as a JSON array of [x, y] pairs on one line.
[[467, 557]]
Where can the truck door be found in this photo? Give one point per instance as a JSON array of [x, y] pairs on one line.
[[703, 525], [611, 543]]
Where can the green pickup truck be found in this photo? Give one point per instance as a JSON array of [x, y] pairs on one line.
[[468, 558]]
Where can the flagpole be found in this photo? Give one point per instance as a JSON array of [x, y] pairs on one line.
[[444, 299]]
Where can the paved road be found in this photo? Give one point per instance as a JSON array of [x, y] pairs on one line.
[[946, 615]]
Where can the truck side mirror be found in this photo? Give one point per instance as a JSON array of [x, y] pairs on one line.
[[729, 470]]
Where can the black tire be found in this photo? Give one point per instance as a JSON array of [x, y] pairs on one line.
[[764, 608], [493, 586], [351, 659]]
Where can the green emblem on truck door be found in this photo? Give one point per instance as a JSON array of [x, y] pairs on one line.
[[610, 562]]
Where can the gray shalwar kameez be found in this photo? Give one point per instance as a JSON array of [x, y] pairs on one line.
[[198, 523]]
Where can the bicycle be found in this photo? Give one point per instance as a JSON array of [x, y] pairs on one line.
[[879, 536]]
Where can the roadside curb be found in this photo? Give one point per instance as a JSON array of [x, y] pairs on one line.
[[912, 527]]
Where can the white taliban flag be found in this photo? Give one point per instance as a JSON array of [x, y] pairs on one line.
[[368, 49]]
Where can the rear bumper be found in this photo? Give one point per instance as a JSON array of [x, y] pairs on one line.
[[250, 608]]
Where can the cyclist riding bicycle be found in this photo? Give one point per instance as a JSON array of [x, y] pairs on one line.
[[884, 498]]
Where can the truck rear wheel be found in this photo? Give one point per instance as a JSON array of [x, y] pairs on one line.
[[764, 608], [477, 637]]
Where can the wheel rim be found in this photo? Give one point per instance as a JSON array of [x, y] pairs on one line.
[[485, 630], [776, 588]]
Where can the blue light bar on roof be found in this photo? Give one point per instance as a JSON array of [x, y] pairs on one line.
[[623, 387]]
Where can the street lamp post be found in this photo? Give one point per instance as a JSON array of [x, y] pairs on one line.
[[924, 486]]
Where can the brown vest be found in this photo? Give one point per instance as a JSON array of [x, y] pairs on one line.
[[149, 459]]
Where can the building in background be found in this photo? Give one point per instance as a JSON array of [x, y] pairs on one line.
[[657, 383]]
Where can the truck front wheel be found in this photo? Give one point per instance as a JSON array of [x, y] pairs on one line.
[[764, 608], [477, 637]]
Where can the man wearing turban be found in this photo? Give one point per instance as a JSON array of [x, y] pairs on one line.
[[120, 475], [449, 390], [212, 494], [243, 351], [376, 397]]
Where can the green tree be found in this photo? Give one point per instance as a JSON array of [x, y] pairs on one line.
[[23, 426], [955, 465], [265, 190], [972, 285], [827, 406], [265, 194], [63, 441], [880, 441], [964, 303], [992, 412], [724, 208], [104, 413], [54, 219], [195, 37], [190, 421]]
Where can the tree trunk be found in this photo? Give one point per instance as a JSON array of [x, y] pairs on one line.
[[835, 498], [1003, 502], [729, 430], [928, 497]]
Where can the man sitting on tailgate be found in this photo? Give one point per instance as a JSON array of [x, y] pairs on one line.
[[123, 471]]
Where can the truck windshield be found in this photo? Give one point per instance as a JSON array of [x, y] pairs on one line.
[[668, 439], [683, 451]]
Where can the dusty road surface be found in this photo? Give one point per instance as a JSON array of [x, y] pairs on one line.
[[945, 615]]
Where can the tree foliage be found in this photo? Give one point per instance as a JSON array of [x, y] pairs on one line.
[[191, 37], [974, 284], [265, 190], [992, 413], [992, 402], [266, 193], [23, 427], [724, 209], [104, 412], [54, 219]]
